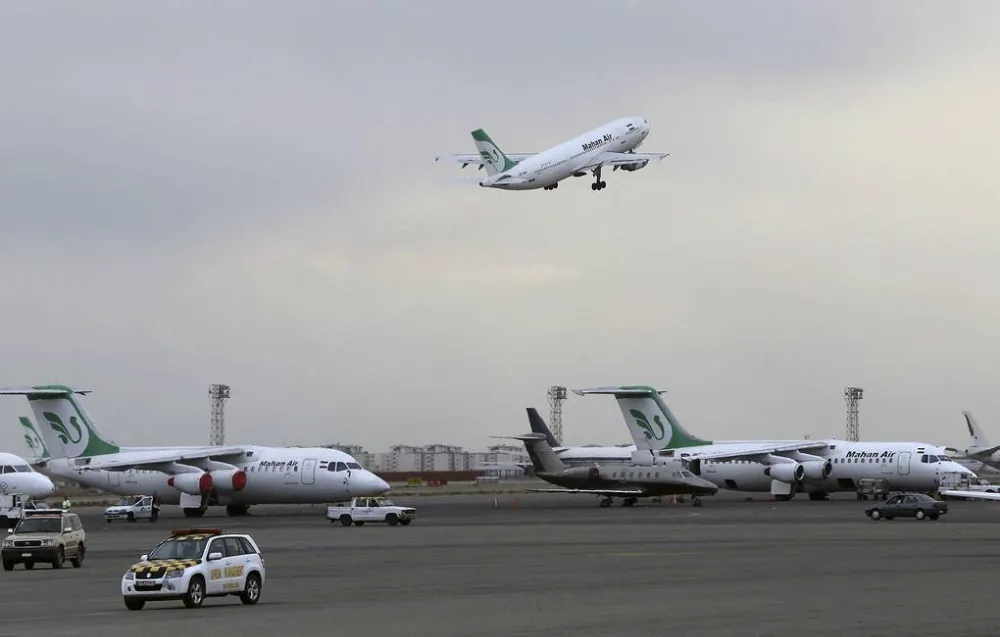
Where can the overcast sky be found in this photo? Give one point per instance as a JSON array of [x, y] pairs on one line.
[[245, 193]]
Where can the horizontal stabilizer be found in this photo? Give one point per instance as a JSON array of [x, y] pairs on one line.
[[531, 436], [42, 390], [619, 391]]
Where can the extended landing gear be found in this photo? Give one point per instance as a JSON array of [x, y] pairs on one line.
[[606, 502], [696, 502], [598, 184], [784, 497], [194, 513], [551, 186], [236, 510], [818, 495], [627, 502]]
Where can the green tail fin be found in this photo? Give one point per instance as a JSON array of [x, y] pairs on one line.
[[33, 440], [64, 426], [494, 159]]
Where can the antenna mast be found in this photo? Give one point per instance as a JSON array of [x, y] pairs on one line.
[[852, 396], [557, 394], [217, 432]]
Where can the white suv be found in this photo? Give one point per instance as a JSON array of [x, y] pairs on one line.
[[193, 564]]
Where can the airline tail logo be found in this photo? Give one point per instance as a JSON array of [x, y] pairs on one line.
[[491, 155], [64, 433], [648, 429], [32, 439]]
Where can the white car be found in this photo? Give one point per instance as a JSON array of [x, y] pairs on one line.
[[361, 510], [193, 564], [131, 508]]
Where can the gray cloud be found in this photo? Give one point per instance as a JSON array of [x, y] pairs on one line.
[[197, 194]]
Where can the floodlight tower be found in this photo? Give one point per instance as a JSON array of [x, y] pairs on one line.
[[557, 394], [853, 395], [217, 433]]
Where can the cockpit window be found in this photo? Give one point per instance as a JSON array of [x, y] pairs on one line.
[[944, 458], [23, 468], [352, 465], [7, 469], [339, 466]]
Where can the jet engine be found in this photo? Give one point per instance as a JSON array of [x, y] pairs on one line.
[[229, 479], [639, 165], [191, 483], [817, 469], [582, 473], [786, 472]]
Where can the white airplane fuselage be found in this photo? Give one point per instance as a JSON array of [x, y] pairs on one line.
[[904, 464], [18, 478], [569, 158], [271, 475]]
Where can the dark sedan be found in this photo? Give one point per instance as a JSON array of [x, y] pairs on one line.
[[908, 505]]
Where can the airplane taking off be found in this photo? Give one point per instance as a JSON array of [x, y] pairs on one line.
[[816, 467], [612, 144], [18, 478], [193, 477], [626, 481]]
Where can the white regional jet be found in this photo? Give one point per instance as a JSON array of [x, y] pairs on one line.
[[784, 468], [193, 477], [18, 478], [612, 144]]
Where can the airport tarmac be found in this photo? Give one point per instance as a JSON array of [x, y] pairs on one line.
[[553, 565]]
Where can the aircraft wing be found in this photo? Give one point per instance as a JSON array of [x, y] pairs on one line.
[[152, 460], [618, 492], [972, 495], [477, 159], [751, 452], [622, 159]]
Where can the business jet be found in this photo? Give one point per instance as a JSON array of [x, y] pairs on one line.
[[612, 144], [784, 468], [193, 477], [18, 478], [627, 481]]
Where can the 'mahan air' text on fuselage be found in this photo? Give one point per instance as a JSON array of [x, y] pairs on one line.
[[597, 142], [870, 454]]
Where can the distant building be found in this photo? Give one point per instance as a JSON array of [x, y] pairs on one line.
[[503, 461]]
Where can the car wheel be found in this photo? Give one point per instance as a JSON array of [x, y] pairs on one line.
[[77, 561], [876, 515], [251, 592], [345, 520], [133, 603], [8, 565], [919, 514], [392, 519], [195, 595], [60, 558]]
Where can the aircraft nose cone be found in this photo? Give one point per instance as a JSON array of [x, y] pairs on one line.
[[45, 486], [368, 484]]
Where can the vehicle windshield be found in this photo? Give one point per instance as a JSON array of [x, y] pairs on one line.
[[128, 500], [179, 550], [385, 502], [39, 525]]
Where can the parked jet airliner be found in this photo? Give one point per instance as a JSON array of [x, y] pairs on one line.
[[816, 467], [612, 144], [193, 477], [18, 478]]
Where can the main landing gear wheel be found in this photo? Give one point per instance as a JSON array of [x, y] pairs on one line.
[[605, 502], [236, 510], [696, 502], [552, 187], [598, 184], [627, 502]]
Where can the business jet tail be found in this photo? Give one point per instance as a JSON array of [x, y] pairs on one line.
[[543, 458], [63, 424], [538, 426], [494, 159], [979, 448]]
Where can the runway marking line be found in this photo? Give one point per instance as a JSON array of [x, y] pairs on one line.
[[647, 554]]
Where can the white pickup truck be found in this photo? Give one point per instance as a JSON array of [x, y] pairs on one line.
[[132, 508], [361, 510]]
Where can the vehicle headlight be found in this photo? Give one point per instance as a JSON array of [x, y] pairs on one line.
[[8, 544], [174, 574], [130, 575]]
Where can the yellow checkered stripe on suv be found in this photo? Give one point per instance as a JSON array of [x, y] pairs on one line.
[[159, 567]]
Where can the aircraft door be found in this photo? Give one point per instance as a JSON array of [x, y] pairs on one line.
[[292, 472], [115, 478], [903, 465], [309, 471]]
